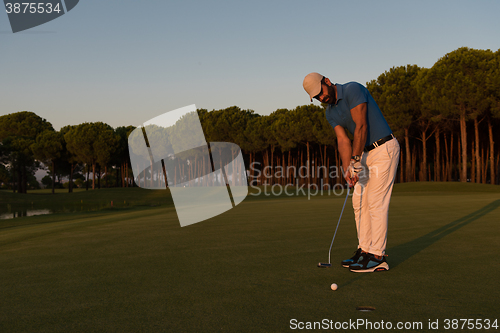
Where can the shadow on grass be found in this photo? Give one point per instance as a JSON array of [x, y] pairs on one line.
[[403, 252]]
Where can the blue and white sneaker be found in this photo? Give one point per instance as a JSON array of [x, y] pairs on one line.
[[348, 262], [367, 263]]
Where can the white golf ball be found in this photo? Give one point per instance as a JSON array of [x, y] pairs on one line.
[[334, 286]]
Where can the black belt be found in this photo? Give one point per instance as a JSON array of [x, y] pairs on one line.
[[379, 142]]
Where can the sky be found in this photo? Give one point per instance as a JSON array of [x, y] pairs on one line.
[[124, 62]]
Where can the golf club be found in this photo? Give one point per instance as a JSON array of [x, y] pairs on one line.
[[329, 264]]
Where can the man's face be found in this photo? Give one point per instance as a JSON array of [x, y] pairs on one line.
[[327, 94]]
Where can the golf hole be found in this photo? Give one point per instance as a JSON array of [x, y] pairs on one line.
[[365, 308]]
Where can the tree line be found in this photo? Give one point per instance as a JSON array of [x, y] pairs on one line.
[[446, 118]]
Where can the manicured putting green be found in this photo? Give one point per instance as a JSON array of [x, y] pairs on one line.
[[252, 269]]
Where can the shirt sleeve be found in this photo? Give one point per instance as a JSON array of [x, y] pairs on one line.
[[329, 118], [355, 94]]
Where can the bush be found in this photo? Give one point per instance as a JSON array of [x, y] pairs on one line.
[[47, 181], [78, 183]]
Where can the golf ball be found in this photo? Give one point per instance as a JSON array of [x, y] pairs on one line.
[[334, 286]]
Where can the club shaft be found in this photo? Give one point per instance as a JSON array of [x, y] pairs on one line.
[[342, 212]]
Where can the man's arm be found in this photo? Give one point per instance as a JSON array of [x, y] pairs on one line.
[[345, 151], [358, 114]]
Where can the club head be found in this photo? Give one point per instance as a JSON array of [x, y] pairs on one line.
[[324, 265]]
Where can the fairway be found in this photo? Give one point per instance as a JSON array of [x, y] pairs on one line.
[[253, 268]]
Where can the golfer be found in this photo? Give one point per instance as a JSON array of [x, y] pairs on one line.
[[369, 163]]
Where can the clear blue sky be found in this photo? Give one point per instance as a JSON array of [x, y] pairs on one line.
[[123, 61]]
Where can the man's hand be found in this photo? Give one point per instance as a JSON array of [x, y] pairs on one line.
[[355, 167], [351, 174]]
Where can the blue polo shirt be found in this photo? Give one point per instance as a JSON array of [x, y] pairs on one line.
[[350, 95]]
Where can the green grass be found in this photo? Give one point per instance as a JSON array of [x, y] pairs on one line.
[[67, 204], [62, 197], [251, 269]]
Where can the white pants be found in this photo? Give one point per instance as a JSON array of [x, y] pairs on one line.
[[372, 195]]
